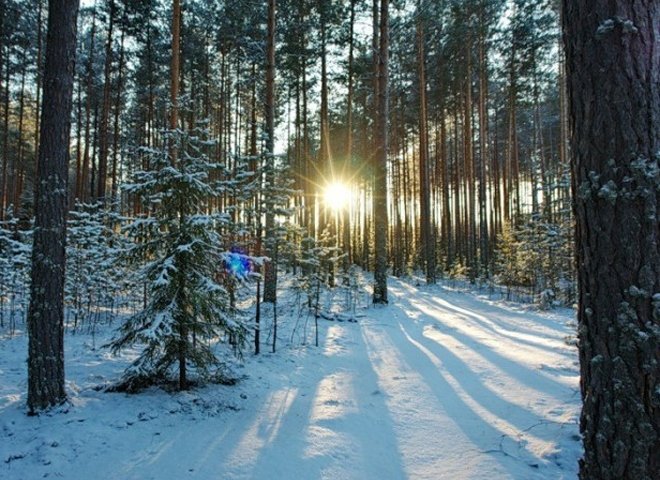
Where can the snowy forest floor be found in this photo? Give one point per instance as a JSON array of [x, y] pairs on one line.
[[440, 384]]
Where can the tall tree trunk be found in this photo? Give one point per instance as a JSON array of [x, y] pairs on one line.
[[255, 167], [19, 163], [408, 199], [310, 218], [175, 67], [398, 244], [3, 173], [371, 152], [116, 134], [456, 183], [484, 248], [152, 94], [496, 194], [348, 161], [325, 165], [105, 109], [39, 73], [79, 137], [95, 143], [46, 311], [426, 235], [83, 182], [5, 147], [380, 167], [445, 186], [3, 7], [512, 140], [270, 279], [468, 152], [349, 100], [613, 74]]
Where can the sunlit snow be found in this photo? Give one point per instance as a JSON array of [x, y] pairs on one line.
[[440, 384]]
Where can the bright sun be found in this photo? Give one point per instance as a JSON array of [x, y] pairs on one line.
[[337, 196]]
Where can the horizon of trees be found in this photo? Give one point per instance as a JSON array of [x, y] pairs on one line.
[[476, 168]]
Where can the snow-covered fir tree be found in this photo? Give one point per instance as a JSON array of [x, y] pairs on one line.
[[94, 277], [187, 310], [275, 194], [15, 250]]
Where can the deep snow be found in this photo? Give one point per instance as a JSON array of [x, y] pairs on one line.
[[439, 384]]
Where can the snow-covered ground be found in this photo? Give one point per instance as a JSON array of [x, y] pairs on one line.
[[439, 384]]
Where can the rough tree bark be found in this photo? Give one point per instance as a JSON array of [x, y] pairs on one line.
[[3, 175], [46, 311], [613, 80], [380, 164]]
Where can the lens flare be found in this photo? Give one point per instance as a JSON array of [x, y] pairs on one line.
[[237, 265], [337, 196]]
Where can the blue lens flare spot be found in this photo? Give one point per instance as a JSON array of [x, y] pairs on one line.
[[237, 264]]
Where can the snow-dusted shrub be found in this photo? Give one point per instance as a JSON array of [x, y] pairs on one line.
[[93, 277], [15, 251]]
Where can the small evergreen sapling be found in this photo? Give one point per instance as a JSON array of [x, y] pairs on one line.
[[15, 248], [186, 308], [93, 278]]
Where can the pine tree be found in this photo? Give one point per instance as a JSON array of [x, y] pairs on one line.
[[507, 268], [46, 313], [187, 308]]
